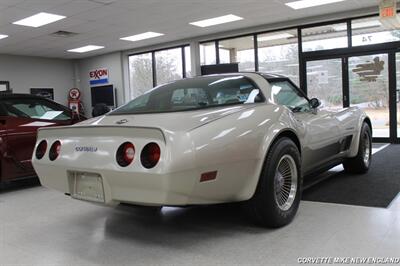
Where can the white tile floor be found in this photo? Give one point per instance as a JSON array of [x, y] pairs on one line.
[[43, 227]]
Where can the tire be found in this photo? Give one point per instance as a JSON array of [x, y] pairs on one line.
[[266, 207], [361, 163]]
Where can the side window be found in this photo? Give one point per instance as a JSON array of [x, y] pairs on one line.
[[35, 109], [234, 91], [189, 97], [283, 93]]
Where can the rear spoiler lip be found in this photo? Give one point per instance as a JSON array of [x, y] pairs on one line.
[[100, 126]]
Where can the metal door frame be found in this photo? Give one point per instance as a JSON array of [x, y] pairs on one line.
[[344, 55]]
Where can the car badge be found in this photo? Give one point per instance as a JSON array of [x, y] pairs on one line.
[[123, 121]]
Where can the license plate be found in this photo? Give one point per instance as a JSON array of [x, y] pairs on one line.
[[87, 186]]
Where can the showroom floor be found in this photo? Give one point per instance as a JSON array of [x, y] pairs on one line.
[[39, 226]]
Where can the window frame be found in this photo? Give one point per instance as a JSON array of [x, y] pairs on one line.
[[299, 91], [129, 70], [313, 55], [153, 60], [254, 48], [272, 80], [181, 50]]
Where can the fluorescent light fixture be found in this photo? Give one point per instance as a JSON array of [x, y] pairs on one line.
[[216, 21], [359, 25], [2, 36], [275, 37], [310, 3], [142, 36], [39, 20], [85, 49]]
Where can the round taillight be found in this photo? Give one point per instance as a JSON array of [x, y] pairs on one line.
[[125, 154], [41, 149], [150, 155], [55, 150]]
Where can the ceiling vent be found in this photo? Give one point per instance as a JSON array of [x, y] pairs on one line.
[[64, 34]]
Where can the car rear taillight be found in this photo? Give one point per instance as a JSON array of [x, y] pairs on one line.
[[150, 155], [41, 149], [125, 154], [55, 150]]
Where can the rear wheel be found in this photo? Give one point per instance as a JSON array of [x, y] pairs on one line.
[[361, 163], [278, 193]]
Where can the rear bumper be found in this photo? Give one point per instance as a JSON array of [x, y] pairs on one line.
[[177, 189]]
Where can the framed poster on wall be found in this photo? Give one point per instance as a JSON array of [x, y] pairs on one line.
[[103, 94], [43, 92], [4, 86]]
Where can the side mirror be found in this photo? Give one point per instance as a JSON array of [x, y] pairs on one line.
[[315, 103]]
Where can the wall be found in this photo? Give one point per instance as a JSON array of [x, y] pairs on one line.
[[113, 63], [24, 72]]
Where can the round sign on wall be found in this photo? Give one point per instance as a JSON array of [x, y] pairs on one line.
[[74, 93]]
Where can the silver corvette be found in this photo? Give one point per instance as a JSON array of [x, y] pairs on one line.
[[244, 137]]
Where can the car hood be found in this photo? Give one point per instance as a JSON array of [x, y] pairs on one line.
[[172, 121]]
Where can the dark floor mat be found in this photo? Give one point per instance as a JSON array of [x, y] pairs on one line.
[[377, 188], [18, 185]]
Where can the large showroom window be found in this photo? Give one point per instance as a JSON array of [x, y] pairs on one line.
[[321, 65], [324, 81], [168, 65], [238, 50], [371, 31], [278, 54], [140, 74], [208, 53], [188, 62], [325, 37]]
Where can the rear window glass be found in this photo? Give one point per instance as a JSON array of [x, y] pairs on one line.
[[194, 93], [35, 109]]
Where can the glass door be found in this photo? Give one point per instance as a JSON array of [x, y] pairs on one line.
[[398, 94], [325, 82], [365, 81], [369, 90]]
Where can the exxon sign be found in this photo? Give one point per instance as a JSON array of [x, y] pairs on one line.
[[98, 76]]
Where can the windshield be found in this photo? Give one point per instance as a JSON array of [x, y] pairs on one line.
[[194, 93]]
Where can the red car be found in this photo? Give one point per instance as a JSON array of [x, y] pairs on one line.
[[20, 117]]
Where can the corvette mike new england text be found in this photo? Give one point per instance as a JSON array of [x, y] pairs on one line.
[[349, 260]]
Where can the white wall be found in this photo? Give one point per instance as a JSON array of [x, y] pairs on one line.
[[113, 63], [24, 72]]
